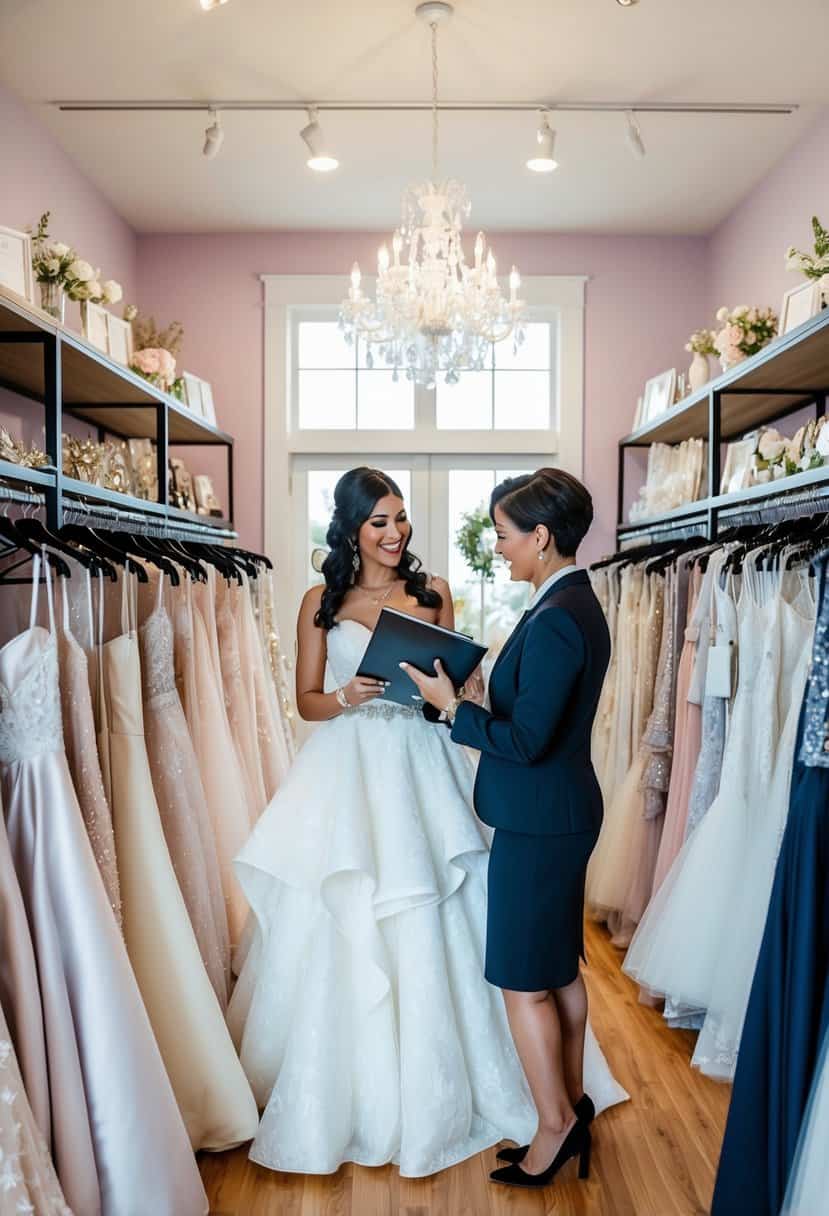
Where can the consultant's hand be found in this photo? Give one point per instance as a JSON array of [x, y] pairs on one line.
[[474, 688], [438, 690], [363, 688]]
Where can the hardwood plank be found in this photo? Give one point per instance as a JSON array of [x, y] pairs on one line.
[[653, 1156]]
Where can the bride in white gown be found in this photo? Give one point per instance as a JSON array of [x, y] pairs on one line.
[[364, 1023]]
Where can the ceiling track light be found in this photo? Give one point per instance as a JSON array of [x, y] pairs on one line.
[[320, 157], [627, 3], [542, 159], [213, 135], [207, 5], [634, 136]]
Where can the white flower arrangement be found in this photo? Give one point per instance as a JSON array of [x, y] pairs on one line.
[[50, 259], [702, 342], [812, 265]]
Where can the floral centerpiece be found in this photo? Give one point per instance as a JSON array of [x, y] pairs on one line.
[[50, 262], [744, 332], [812, 265], [155, 352]]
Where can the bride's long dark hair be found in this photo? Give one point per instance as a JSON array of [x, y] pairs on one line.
[[355, 497]]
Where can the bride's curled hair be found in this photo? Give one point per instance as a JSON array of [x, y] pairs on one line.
[[355, 496]]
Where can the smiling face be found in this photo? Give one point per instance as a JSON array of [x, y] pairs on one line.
[[385, 534], [520, 549]]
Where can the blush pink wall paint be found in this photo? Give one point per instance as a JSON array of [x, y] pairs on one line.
[[36, 175], [746, 255], [644, 296]]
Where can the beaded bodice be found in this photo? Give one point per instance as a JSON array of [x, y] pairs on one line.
[[347, 642], [30, 715], [814, 748]]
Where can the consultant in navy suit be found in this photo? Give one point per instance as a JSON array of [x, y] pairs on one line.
[[536, 784]]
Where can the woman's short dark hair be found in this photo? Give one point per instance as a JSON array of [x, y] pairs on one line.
[[550, 497]]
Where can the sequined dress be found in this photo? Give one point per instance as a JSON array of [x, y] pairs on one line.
[[365, 1025]]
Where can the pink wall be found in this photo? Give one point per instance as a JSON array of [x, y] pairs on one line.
[[746, 257], [36, 175], [644, 296]]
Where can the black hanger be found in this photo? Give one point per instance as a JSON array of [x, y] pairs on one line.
[[10, 532], [138, 544], [35, 531], [103, 548]]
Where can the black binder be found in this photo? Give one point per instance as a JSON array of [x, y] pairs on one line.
[[399, 638]]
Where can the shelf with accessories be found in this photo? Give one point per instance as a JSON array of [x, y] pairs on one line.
[[46, 362], [788, 375]]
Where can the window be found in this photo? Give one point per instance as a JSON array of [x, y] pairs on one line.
[[336, 390], [517, 391]]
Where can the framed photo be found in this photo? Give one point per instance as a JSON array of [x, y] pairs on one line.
[[120, 339], [659, 396], [802, 303], [192, 392], [96, 329], [736, 474], [637, 414], [16, 263], [207, 407]]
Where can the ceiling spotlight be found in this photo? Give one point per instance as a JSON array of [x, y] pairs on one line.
[[320, 158], [624, 3], [213, 135], [207, 5], [542, 159], [634, 136]]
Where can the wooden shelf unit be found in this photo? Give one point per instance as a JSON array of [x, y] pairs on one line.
[[48, 363], [790, 374]]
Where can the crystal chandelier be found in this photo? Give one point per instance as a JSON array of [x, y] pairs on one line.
[[433, 312]]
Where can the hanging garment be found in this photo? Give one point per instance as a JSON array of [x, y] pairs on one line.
[[28, 1182], [239, 697], [677, 945], [788, 1011], [366, 1027], [212, 1094], [20, 990], [277, 661], [273, 753], [79, 737], [219, 767], [809, 1180], [180, 796], [718, 1042], [112, 1107]]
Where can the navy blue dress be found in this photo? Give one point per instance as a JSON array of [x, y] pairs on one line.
[[536, 785], [788, 1011]]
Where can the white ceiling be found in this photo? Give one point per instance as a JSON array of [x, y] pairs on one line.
[[151, 168]]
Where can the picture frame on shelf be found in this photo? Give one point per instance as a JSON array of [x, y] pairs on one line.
[[119, 333], [16, 274], [192, 393], [659, 396], [637, 414], [736, 473], [208, 409], [96, 327], [206, 501], [802, 303]]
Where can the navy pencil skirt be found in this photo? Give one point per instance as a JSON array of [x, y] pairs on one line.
[[535, 909]]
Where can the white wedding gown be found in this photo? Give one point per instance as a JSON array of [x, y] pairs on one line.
[[364, 1023]]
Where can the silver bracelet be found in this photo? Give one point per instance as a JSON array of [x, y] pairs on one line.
[[342, 699]]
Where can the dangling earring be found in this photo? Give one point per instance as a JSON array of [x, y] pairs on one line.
[[355, 561], [542, 556]]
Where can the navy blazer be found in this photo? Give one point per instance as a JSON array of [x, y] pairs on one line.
[[535, 773]]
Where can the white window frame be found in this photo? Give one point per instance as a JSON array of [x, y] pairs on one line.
[[558, 298]]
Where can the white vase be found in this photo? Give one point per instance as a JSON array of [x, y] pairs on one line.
[[699, 372]]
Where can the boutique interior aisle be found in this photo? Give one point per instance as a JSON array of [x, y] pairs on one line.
[[656, 1156]]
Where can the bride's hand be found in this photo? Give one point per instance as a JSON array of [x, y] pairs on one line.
[[474, 688], [362, 689]]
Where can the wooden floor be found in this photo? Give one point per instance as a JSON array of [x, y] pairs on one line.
[[653, 1156]]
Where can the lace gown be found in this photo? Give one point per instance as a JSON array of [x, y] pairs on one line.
[[365, 1024], [273, 754], [28, 1183], [210, 1088], [112, 1107], [180, 797]]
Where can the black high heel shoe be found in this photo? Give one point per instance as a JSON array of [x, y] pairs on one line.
[[585, 1113], [577, 1143]]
